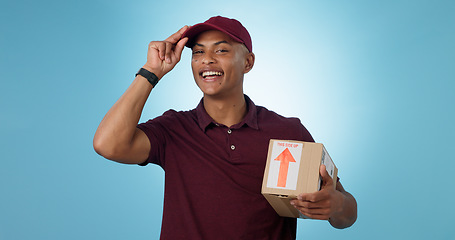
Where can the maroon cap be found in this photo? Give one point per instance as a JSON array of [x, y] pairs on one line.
[[231, 27]]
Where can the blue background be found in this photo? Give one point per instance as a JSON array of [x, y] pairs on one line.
[[372, 80]]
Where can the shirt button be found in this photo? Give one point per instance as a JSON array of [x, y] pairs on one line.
[[232, 147], [229, 131]]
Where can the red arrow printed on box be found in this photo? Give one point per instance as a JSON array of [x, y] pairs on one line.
[[285, 158]]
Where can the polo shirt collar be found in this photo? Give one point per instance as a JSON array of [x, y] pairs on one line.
[[251, 118]]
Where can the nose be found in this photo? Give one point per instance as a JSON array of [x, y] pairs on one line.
[[208, 58]]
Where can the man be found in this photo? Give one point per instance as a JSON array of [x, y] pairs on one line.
[[214, 155]]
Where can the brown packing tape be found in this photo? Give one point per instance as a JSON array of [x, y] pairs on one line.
[[305, 170], [313, 172]]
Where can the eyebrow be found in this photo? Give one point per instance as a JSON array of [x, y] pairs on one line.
[[217, 43]]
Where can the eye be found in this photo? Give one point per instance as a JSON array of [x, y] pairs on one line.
[[197, 52], [222, 51]]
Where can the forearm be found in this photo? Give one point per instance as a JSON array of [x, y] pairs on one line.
[[117, 137], [348, 215], [118, 127]]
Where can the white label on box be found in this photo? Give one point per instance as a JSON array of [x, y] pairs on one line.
[[284, 165], [329, 166], [327, 161]]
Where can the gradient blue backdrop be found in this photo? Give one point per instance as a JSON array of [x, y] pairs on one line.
[[372, 80]]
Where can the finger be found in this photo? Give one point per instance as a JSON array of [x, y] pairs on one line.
[[158, 46], [321, 214], [314, 197], [315, 213], [309, 197], [326, 179], [179, 47], [310, 205], [174, 38], [297, 203], [168, 52], [318, 205]]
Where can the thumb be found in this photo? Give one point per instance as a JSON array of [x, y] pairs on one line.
[[327, 181]]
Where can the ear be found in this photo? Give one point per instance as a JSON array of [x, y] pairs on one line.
[[249, 62]]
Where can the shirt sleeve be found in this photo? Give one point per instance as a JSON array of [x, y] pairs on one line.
[[157, 132]]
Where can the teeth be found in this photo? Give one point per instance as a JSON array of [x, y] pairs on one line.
[[211, 73]]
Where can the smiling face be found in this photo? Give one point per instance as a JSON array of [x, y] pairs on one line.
[[219, 63]]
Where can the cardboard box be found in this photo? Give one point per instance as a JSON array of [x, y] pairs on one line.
[[293, 168]]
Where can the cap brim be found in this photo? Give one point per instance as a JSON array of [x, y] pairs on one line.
[[192, 32]]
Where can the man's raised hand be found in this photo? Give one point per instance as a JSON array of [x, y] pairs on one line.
[[162, 56]]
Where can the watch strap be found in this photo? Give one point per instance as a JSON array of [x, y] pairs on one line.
[[151, 77]]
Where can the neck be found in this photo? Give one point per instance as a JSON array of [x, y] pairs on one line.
[[226, 111]]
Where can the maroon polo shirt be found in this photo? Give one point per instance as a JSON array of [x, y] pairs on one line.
[[213, 173]]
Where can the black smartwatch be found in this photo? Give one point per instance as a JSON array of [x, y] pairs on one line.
[[151, 77]]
